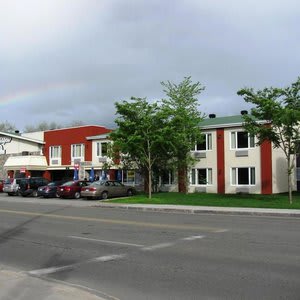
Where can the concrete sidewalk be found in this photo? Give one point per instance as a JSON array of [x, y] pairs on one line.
[[20, 286], [203, 209]]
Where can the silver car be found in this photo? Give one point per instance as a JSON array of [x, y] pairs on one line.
[[105, 189], [11, 186]]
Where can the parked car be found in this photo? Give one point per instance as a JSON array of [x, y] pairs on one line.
[[50, 190], [11, 186], [72, 189], [106, 188], [1, 185], [29, 186]]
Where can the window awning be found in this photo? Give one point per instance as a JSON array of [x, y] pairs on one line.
[[30, 162]]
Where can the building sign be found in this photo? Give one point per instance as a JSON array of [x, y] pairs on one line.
[[23, 170], [4, 140]]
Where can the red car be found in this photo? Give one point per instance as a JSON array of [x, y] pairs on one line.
[[1, 185], [72, 189]]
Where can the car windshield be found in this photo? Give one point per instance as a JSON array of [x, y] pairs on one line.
[[96, 183], [8, 180], [69, 183], [51, 184], [103, 182]]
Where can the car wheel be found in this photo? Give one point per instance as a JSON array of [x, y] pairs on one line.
[[77, 195], [34, 193], [57, 195], [129, 192], [104, 195]]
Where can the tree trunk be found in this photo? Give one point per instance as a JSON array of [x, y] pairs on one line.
[[182, 182], [146, 181], [289, 180]]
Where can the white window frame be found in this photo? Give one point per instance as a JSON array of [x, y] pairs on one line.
[[99, 148], [51, 152], [234, 176], [209, 177], [171, 178], [208, 143], [233, 137], [81, 156], [126, 172]]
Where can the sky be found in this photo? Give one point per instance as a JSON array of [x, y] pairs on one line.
[[71, 60]]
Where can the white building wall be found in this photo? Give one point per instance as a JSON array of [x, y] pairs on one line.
[[233, 161], [210, 161], [19, 146], [38, 135], [279, 172], [98, 162]]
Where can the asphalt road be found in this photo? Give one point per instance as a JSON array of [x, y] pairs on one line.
[[136, 255]]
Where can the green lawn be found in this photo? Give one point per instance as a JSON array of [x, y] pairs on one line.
[[229, 200]]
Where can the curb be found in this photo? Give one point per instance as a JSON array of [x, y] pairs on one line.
[[205, 210], [19, 285]]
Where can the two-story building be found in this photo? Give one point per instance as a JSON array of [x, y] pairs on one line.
[[227, 161], [230, 161], [22, 155], [72, 148]]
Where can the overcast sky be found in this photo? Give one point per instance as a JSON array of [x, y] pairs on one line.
[[66, 60]]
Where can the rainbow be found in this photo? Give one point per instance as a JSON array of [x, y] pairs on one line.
[[30, 94]]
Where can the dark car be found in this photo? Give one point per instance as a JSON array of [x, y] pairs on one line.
[[50, 190], [29, 186], [72, 189]]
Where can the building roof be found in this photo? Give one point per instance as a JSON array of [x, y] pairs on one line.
[[229, 121], [98, 137], [20, 137], [76, 127]]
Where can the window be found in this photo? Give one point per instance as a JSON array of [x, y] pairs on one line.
[[205, 145], [128, 176], [167, 177], [201, 176], [55, 152], [77, 151], [102, 149], [243, 176], [242, 140]]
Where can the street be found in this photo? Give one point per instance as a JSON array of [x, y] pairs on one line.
[[136, 255]]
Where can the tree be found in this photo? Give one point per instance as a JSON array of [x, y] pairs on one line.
[[43, 126], [7, 127], [280, 108], [183, 122], [139, 136]]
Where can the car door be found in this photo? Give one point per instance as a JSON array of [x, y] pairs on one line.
[[118, 188]]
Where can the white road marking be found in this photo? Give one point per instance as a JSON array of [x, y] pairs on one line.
[[104, 241], [109, 257], [52, 270], [158, 246], [221, 230], [192, 238]]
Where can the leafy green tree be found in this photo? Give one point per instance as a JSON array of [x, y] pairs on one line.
[[139, 135], [280, 108], [180, 110]]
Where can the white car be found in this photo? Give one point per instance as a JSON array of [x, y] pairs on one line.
[[11, 186]]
